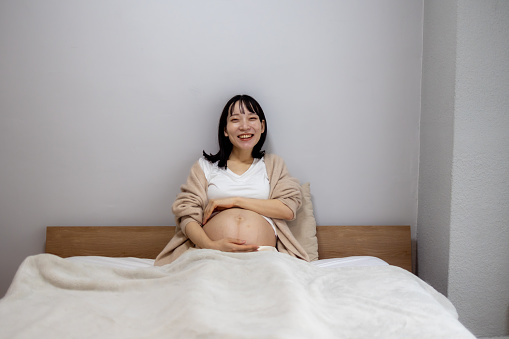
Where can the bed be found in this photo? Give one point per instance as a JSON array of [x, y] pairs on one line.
[[100, 282]]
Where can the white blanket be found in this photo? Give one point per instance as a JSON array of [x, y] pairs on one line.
[[210, 294]]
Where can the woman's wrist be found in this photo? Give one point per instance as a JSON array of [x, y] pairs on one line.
[[239, 202], [198, 236], [210, 244]]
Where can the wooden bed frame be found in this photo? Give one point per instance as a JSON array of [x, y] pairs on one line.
[[390, 243]]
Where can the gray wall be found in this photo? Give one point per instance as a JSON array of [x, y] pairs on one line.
[[104, 106], [437, 127], [463, 222]]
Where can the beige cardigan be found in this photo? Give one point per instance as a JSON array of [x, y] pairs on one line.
[[192, 200]]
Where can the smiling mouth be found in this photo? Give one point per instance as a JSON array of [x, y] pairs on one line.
[[246, 136]]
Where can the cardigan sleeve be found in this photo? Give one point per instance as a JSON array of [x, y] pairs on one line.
[[284, 187], [192, 199], [288, 190]]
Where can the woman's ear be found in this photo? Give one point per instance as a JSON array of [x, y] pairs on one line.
[[225, 133], [263, 126]]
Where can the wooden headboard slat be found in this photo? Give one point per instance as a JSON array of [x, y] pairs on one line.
[[108, 241], [390, 243]]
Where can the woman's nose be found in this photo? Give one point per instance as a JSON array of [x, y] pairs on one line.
[[244, 124]]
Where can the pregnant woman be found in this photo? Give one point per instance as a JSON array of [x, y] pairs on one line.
[[238, 199]]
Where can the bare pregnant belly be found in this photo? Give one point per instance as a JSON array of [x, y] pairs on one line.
[[241, 224]]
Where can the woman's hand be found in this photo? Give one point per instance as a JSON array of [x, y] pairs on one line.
[[233, 245], [217, 205], [198, 236]]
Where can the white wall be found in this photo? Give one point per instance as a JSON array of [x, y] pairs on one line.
[[468, 96], [104, 105], [437, 126], [479, 259]]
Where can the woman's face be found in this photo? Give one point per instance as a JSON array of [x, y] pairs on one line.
[[243, 128]]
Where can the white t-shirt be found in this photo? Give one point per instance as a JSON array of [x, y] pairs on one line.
[[254, 183]]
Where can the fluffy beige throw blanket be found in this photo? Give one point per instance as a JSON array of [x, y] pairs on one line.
[[212, 294]]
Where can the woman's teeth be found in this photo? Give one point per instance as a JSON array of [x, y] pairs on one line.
[[245, 136]]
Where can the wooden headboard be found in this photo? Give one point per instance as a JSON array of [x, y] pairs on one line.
[[390, 243]]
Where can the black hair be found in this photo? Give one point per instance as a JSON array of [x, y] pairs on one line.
[[225, 146]]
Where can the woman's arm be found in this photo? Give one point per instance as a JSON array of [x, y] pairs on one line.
[[198, 236], [271, 208]]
